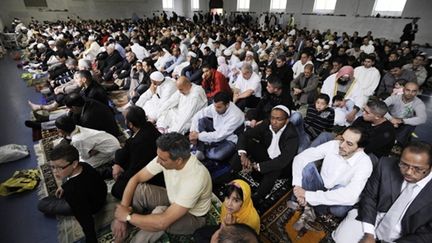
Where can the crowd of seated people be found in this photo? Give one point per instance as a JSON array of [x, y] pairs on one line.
[[270, 102]]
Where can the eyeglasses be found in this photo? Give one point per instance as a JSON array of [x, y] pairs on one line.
[[417, 170], [54, 167]]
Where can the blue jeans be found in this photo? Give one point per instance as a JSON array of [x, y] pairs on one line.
[[312, 181], [304, 140], [219, 151], [322, 138]]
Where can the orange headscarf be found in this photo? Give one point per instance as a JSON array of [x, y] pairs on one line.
[[247, 213]]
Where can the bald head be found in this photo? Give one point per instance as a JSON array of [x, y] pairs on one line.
[[183, 85]]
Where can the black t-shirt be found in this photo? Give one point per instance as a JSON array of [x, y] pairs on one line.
[[381, 137]]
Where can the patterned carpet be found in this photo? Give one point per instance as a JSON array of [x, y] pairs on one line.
[[69, 230]]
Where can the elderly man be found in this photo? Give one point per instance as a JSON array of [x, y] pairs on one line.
[[178, 209], [176, 113], [95, 147], [247, 88], [406, 111], [396, 203], [344, 83], [157, 94], [268, 148], [344, 172], [214, 128]]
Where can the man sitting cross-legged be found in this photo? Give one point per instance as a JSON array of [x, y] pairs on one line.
[[214, 128], [137, 152], [268, 149], [344, 172], [180, 208], [82, 193]]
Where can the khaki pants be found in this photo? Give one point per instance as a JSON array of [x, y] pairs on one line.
[[155, 199]]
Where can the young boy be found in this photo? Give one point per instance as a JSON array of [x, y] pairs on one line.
[[82, 193], [319, 118]]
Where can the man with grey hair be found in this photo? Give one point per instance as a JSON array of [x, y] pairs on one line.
[[178, 209], [247, 88]]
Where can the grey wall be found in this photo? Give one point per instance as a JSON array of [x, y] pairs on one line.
[[94, 9], [102, 9]]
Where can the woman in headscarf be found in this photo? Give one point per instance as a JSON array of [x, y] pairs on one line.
[[236, 208]]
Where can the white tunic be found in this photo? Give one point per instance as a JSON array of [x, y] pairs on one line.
[[151, 103], [177, 112], [368, 79], [223, 124], [86, 139], [253, 83]]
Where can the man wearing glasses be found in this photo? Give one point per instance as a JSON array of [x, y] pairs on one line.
[[82, 193], [396, 203]]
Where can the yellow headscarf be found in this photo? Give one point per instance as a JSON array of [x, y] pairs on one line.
[[247, 213]]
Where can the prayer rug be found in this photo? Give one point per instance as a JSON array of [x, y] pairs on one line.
[[276, 219], [69, 230]]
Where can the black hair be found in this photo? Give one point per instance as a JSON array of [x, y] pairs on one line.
[[222, 96], [65, 123], [74, 99], [275, 81], [420, 147], [395, 64], [237, 233], [84, 74], [324, 97], [364, 137], [136, 115], [176, 144], [371, 57], [230, 188], [66, 152], [337, 98]]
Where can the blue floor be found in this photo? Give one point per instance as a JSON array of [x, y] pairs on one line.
[[21, 221]]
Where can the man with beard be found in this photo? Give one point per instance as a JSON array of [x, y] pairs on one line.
[[337, 186], [283, 71], [344, 84]]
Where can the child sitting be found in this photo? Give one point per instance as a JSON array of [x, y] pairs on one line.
[[398, 87], [319, 118], [341, 108], [82, 193]]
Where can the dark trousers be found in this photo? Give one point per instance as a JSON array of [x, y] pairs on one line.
[[250, 102], [219, 151], [258, 153], [403, 134]]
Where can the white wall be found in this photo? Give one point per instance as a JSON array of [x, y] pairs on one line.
[[380, 27], [102, 9]]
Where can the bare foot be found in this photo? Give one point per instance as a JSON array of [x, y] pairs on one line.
[[34, 107]]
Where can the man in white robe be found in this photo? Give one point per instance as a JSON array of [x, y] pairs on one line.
[[156, 95], [367, 76], [177, 112]]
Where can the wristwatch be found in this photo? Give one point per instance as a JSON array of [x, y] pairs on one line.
[[129, 217]]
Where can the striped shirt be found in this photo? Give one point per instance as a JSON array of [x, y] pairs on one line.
[[316, 122]]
